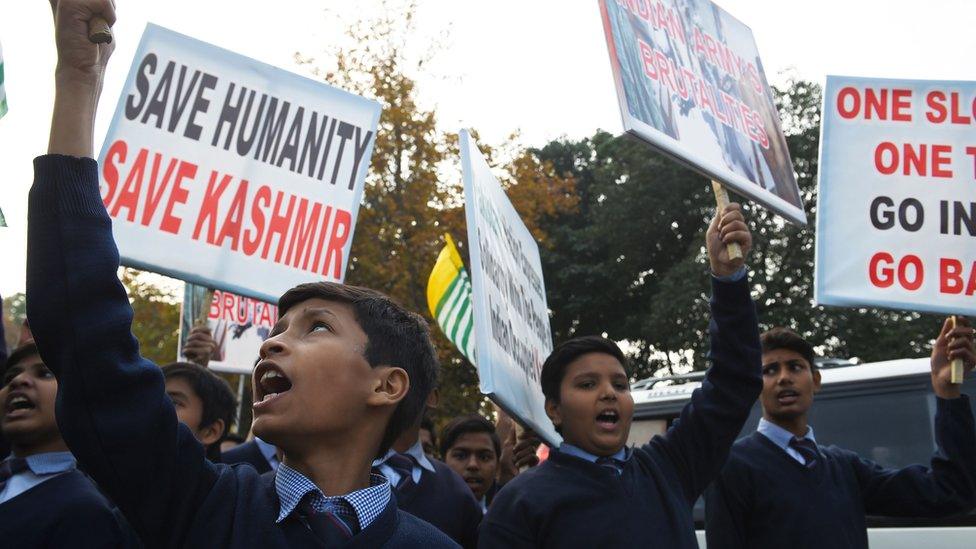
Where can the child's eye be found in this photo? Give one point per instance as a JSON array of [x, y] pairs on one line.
[[317, 325], [586, 385]]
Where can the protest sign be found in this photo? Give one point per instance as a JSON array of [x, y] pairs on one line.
[[238, 324], [230, 173], [3, 93], [690, 83], [896, 221], [511, 318]]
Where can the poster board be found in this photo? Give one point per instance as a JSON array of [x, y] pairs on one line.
[[896, 214], [227, 172], [690, 83], [511, 316]]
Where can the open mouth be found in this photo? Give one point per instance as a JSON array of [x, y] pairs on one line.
[[271, 382], [608, 419], [17, 401], [787, 397], [474, 482]]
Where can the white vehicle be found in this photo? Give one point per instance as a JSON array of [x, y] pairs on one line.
[[884, 411]]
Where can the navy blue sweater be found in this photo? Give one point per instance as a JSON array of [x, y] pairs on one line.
[[112, 407], [570, 502], [766, 499], [64, 511], [249, 453], [444, 500]]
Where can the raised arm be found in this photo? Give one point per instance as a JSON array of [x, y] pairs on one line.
[[699, 441], [112, 407], [948, 485]]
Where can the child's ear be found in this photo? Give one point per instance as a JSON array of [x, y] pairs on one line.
[[390, 386], [816, 380], [433, 398], [552, 410], [211, 433]]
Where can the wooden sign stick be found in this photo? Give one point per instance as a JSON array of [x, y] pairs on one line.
[[722, 200], [204, 313], [958, 372], [98, 31]]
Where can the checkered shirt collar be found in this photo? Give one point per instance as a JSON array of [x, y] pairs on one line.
[[362, 506]]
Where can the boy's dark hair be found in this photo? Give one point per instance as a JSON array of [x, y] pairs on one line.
[[555, 365], [785, 338], [212, 390], [20, 353], [472, 423], [394, 337]]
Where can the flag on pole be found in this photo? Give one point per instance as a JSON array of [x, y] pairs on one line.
[[449, 299], [3, 94]]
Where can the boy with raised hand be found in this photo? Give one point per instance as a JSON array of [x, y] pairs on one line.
[[780, 488], [45, 501], [343, 373], [594, 491]]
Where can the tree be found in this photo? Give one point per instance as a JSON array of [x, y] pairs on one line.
[[14, 315], [638, 238], [414, 193], [155, 322], [156, 317]]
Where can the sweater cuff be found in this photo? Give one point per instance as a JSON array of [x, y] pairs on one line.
[[952, 404], [66, 184], [731, 294]]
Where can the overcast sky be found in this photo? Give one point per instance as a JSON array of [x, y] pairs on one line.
[[539, 66]]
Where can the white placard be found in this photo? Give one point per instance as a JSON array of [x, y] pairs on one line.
[[690, 83], [227, 172], [511, 317], [896, 217]]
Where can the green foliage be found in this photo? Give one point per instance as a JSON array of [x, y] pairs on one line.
[[14, 314], [156, 317]]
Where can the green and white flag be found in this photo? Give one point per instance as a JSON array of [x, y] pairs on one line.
[[449, 299], [3, 105]]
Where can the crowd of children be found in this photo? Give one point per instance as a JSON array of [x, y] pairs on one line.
[[107, 449]]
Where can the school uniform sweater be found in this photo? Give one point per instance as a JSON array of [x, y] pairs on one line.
[[766, 499], [570, 502], [248, 452], [64, 511], [444, 500], [112, 406]]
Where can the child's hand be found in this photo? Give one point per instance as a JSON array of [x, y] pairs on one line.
[[726, 228], [199, 346], [952, 343], [78, 57]]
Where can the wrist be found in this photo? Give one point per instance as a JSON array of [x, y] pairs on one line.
[[945, 390], [73, 77]]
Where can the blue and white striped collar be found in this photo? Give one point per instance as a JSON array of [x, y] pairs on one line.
[[367, 503]]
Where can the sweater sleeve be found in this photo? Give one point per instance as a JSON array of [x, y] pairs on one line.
[[946, 487], [698, 442], [726, 510], [112, 407]]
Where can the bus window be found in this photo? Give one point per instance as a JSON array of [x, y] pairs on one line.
[[642, 430]]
